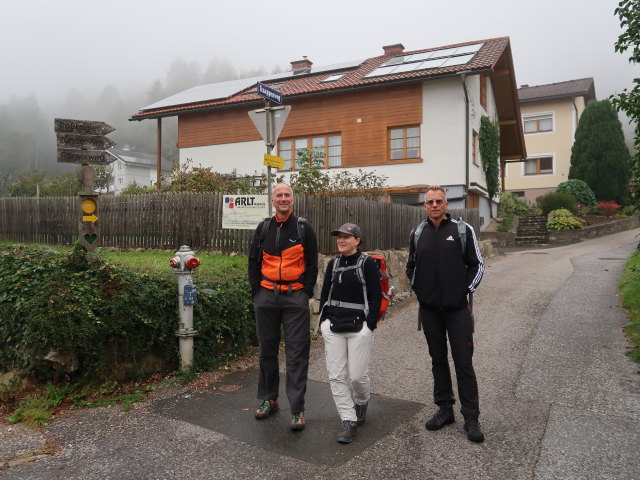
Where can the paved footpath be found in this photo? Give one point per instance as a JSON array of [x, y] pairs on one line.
[[559, 398]]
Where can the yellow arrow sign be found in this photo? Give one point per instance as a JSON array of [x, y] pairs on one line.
[[89, 218], [273, 161]]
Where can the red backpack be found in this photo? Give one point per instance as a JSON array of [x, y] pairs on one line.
[[387, 290]]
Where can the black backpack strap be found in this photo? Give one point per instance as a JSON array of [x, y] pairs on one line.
[[263, 232], [360, 273], [302, 225], [462, 233], [261, 237]]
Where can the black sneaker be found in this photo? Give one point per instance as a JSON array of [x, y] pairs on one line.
[[444, 416], [472, 427], [361, 413], [349, 429]]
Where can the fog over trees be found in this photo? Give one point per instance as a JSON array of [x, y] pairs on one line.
[[28, 142]]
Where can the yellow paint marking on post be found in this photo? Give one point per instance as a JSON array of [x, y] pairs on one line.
[[88, 205], [273, 161]]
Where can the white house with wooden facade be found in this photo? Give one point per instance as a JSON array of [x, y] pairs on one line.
[[412, 116]]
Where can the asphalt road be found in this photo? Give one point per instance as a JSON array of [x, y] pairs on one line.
[[559, 398]]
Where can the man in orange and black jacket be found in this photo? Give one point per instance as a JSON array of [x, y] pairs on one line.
[[283, 268]]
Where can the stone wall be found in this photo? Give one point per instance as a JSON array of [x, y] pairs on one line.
[[593, 231]]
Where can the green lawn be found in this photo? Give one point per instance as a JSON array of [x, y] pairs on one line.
[[630, 296], [213, 267]]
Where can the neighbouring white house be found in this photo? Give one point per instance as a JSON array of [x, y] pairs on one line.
[[412, 116], [130, 167]]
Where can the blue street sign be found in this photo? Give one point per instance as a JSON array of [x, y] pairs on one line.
[[269, 93]]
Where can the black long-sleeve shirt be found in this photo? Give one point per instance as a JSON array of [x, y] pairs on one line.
[[348, 288], [443, 276]]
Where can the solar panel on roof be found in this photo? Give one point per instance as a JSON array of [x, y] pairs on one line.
[[445, 57], [217, 91], [396, 60], [469, 48], [407, 67], [457, 60]]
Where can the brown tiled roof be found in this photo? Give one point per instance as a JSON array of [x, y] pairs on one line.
[[571, 88], [308, 84]]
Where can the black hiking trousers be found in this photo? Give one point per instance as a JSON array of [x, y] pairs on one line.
[[458, 326], [289, 311]]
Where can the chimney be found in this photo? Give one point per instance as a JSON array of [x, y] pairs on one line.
[[301, 66], [396, 49]]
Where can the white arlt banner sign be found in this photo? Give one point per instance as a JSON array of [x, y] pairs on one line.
[[243, 212]]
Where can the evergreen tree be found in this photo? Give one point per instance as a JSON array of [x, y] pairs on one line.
[[599, 156], [628, 101]]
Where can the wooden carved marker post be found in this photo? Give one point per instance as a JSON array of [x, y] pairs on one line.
[[83, 142]]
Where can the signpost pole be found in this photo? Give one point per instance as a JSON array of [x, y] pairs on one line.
[[159, 154], [269, 142], [274, 118], [84, 142]]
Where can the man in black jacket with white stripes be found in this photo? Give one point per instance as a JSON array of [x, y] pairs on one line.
[[442, 273]]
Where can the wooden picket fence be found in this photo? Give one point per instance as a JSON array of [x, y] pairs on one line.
[[168, 220]]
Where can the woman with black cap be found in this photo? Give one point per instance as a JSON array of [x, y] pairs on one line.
[[350, 304]]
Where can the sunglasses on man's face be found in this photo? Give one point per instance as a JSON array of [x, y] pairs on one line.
[[437, 201]]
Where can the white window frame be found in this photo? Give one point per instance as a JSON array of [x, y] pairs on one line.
[[540, 116], [332, 151], [535, 157]]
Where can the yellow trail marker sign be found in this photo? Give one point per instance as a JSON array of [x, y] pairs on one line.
[[88, 205], [273, 161]]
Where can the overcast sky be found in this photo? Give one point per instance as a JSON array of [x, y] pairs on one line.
[[50, 46]]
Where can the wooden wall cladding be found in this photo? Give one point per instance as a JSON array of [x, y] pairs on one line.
[[362, 118]]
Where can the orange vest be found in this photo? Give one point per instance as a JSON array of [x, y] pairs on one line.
[[285, 270]]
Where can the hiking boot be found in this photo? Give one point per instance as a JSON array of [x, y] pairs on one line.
[[361, 413], [297, 421], [444, 416], [267, 408], [472, 427], [349, 429]]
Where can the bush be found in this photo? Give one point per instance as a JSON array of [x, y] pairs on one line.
[[109, 321], [629, 210], [561, 212], [134, 189], [608, 208], [580, 190], [563, 219], [555, 200], [510, 205]]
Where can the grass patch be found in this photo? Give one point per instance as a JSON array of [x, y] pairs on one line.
[[629, 289], [37, 409], [214, 267]]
